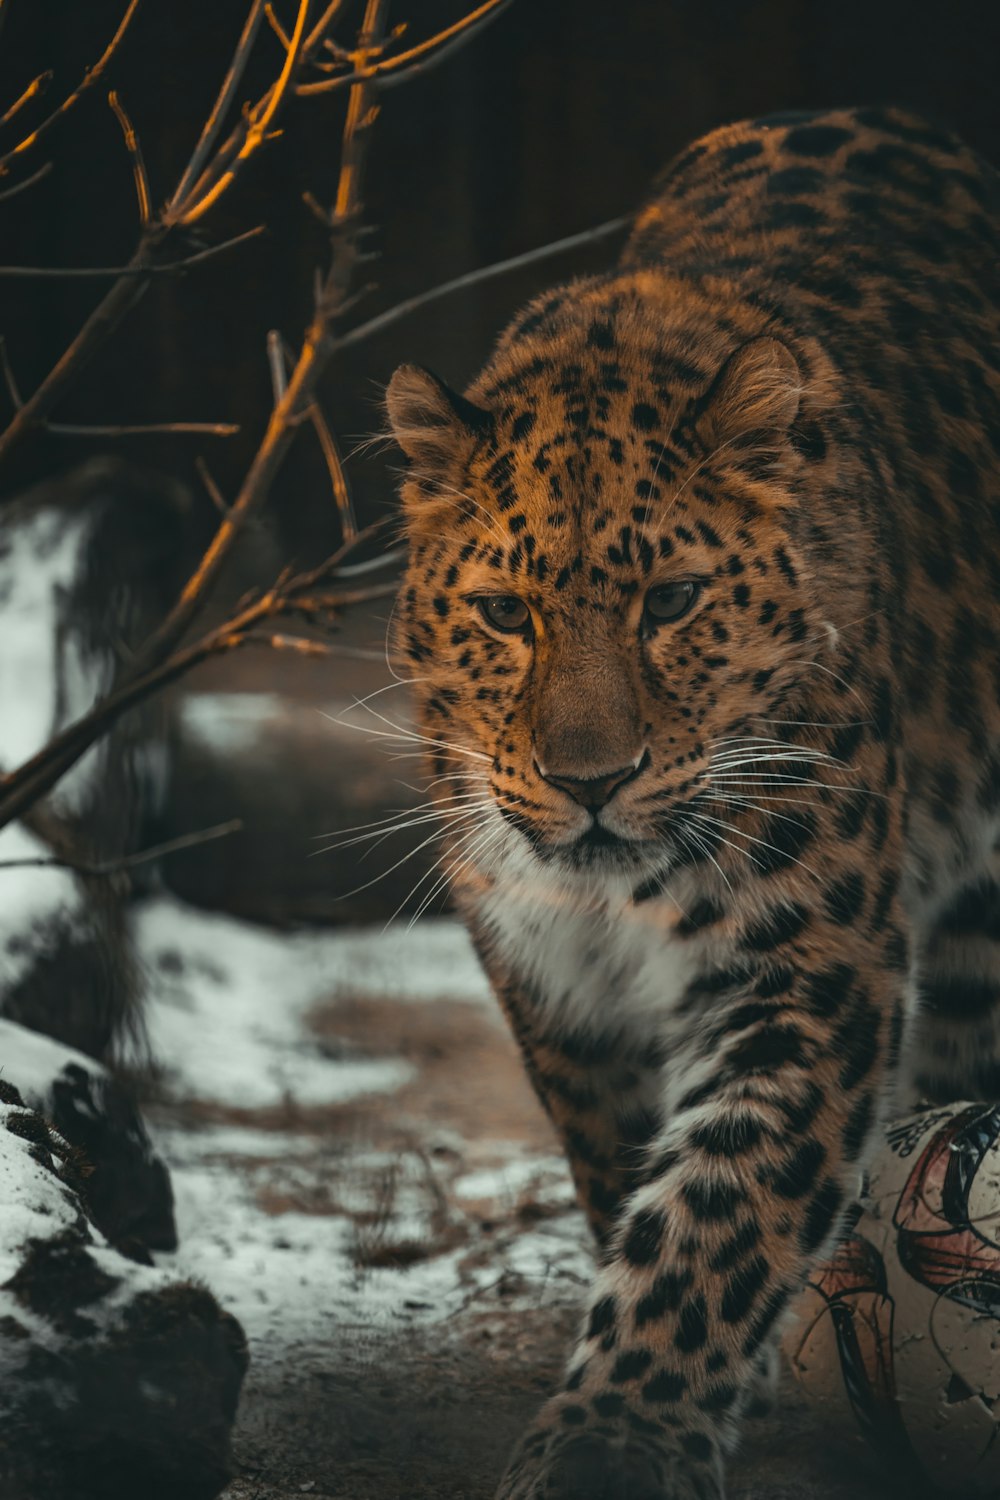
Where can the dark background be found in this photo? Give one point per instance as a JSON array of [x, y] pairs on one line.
[[554, 119]]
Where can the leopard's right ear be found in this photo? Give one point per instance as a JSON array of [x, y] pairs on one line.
[[433, 424]]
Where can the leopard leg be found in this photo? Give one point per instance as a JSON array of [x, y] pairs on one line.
[[601, 1092], [744, 1186], [956, 1051]]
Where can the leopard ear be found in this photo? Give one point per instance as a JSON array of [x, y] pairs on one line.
[[757, 394], [432, 423]]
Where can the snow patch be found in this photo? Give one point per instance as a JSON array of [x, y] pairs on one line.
[[228, 723], [30, 897], [227, 1002], [32, 1062]]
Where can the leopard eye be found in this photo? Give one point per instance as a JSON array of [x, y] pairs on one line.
[[669, 601], [505, 612]]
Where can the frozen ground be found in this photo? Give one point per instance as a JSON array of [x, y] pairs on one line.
[[365, 1179]]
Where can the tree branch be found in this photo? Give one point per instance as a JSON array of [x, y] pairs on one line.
[[106, 867], [447, 41], [401, 310], [135, 157], [205, 193], [36, 86], [133, 429], [88, 80], [32, 780], [19, 187], [226, 94], [156, 268]]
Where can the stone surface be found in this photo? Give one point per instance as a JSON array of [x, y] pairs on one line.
[[116, 1379]]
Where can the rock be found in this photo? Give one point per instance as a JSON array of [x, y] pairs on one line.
[[116, 1380], [127, 1186]]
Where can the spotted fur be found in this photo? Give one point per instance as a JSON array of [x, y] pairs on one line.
[[714, 864]]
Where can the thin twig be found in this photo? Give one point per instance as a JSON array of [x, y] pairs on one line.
[[276, 26], [226, 94], [135, 157], [328, 445], [22, 788], [386, 72], [128, 861], [35, 87], [474, 278], [335, 469], [326, 19], [88, 80], [298, 643], [204, 194], [316, 209], [276, 365], [19, 187], [157, 268], [133, 429], [8, 374], [316, 350], [214, 493]]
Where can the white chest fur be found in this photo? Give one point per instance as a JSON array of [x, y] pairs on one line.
[[594, 962]]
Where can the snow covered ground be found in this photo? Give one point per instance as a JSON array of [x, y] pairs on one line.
[[362, 1175], [364, 1178]]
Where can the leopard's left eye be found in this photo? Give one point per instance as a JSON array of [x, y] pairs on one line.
[[669, 601]]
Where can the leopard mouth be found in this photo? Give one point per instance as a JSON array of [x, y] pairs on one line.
[[600, 849]]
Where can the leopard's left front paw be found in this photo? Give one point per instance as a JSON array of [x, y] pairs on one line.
[[566, 1457]]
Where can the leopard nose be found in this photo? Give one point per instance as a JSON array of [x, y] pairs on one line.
[[593, 792]]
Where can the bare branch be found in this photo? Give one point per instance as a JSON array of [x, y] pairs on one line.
[[214, 493], [88, 80], [35, 87], [19, 187], [317, 348], [23, 787], [473, 278], [226, 94], [319, 30], [276, 364], [135, 157], [106, 867], [204, 194], [316, 209], [327, 441], [301, 645], [352, 158], [373, 564], [148, 268], [276, 26], [335, 469], [388, 71], [133, 429], [8, 375], [404, 66]]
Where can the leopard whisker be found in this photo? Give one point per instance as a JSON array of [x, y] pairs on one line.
[[378, 835], [741, 833], [703, 818], [473, 837]]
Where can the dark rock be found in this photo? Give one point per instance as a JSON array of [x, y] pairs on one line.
[[118, 1381]]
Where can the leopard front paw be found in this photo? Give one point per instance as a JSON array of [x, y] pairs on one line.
[[565, 1457]]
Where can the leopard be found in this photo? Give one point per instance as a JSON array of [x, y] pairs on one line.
[[701, 622]]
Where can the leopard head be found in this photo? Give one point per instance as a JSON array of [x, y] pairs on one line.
[[606, 589]]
